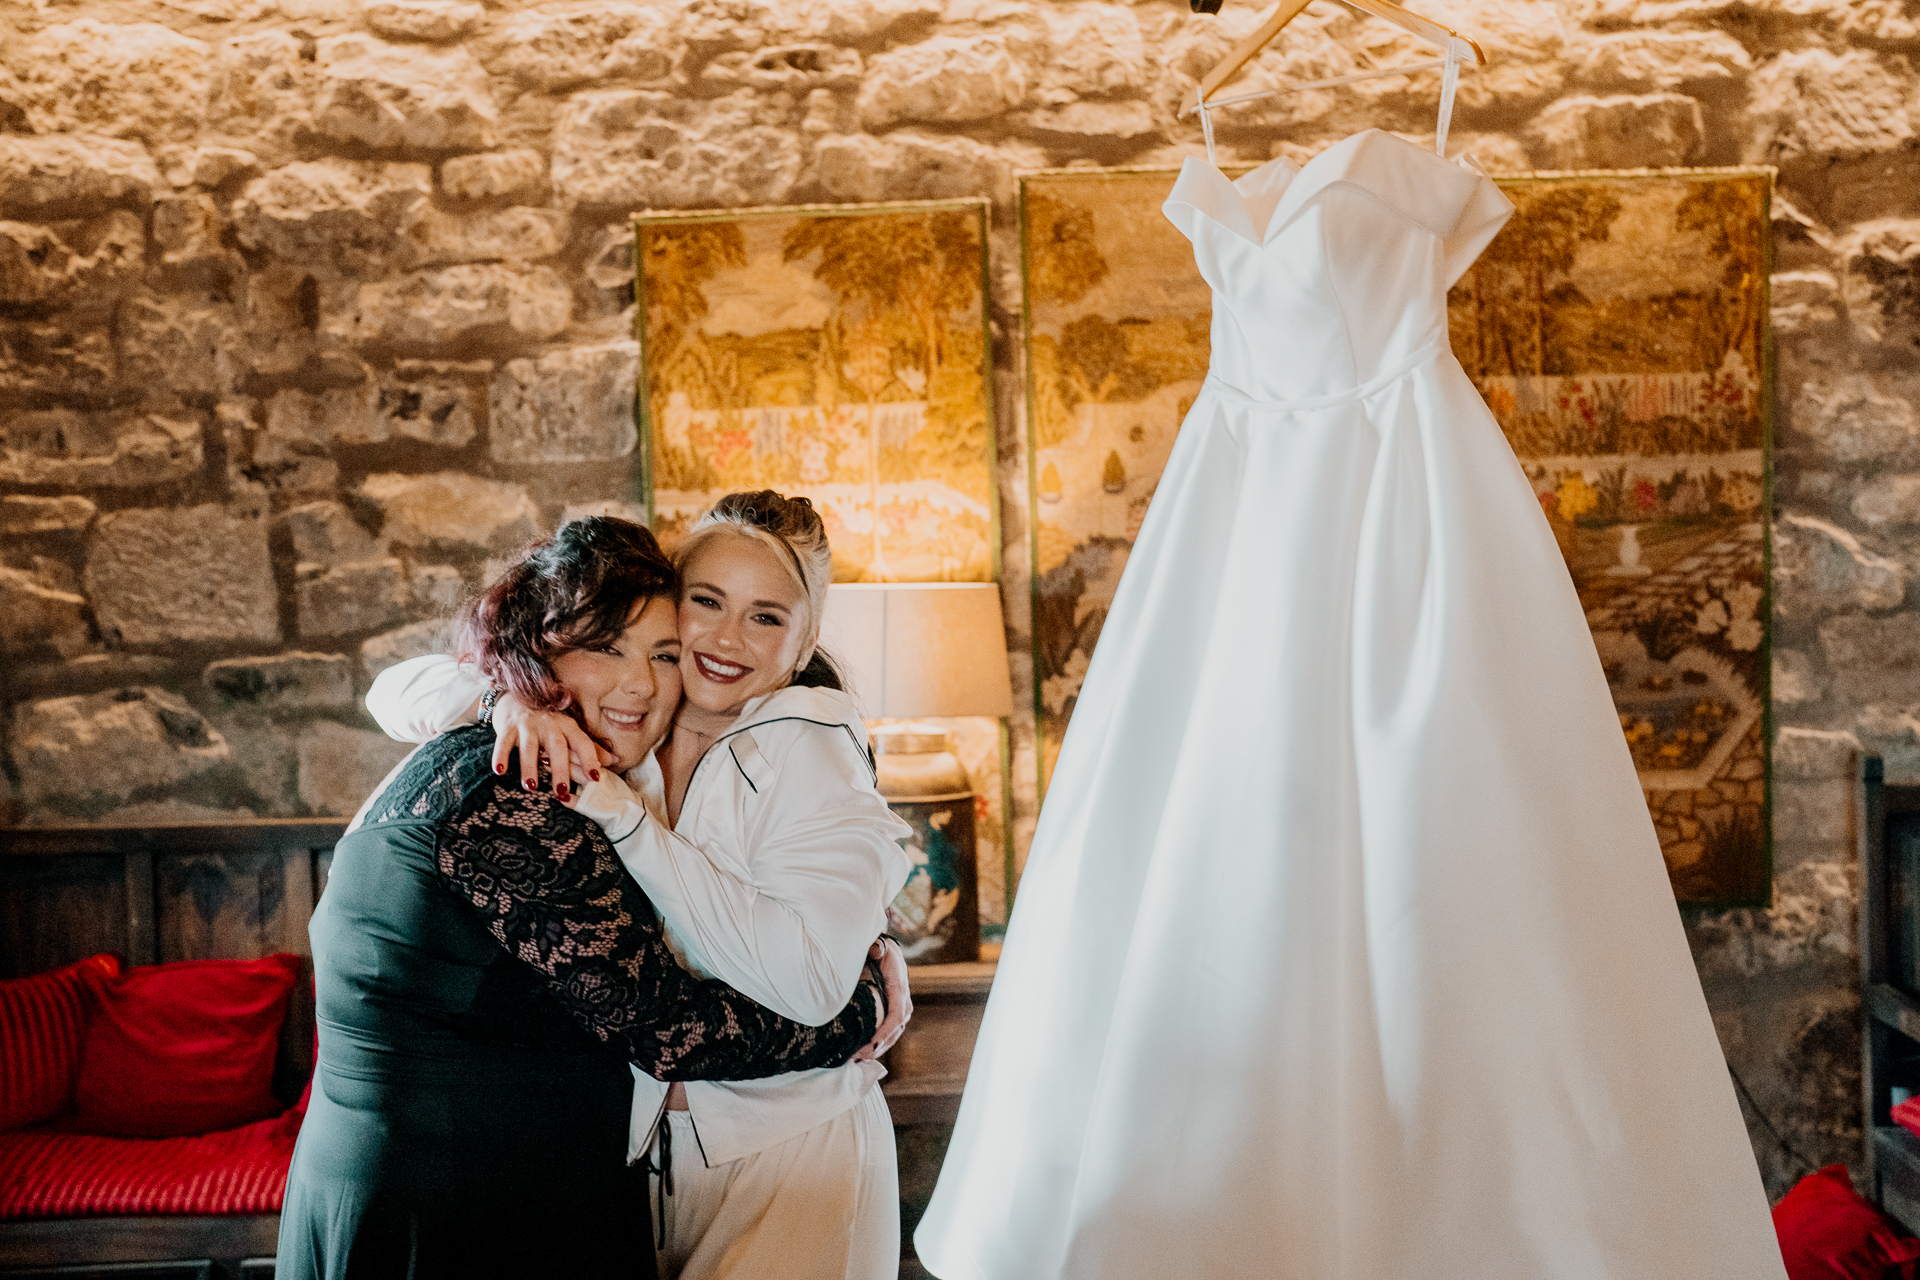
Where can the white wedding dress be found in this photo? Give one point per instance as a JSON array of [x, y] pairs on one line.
[[1345, 950]]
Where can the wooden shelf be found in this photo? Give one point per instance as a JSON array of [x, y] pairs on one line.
[[927, 1069]]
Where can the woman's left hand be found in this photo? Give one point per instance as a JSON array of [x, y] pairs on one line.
[[893, 973], [571, 754]]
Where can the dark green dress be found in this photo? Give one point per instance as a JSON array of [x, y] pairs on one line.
[[484, 971]]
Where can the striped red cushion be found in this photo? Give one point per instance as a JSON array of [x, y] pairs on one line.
[[44, 1174], [43, 1026]]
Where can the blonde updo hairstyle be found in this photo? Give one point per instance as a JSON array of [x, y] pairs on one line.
[[794, 532]]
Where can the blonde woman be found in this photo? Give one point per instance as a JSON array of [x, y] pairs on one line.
[[760, 838]]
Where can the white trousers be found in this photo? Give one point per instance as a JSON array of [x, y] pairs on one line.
[[821, 1206]]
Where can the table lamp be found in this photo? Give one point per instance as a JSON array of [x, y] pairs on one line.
[[912, 649]]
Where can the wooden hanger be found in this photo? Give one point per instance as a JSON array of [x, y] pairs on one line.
[[1287, 10]]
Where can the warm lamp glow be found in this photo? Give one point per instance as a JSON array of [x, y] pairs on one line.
[[920, 648]]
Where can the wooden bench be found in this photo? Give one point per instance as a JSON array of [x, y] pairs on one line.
[[155, 894]]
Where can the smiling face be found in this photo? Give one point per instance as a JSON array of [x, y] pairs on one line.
[[744, 624], [626, 691]]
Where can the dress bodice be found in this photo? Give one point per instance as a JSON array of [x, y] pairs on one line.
[[1328, 276]]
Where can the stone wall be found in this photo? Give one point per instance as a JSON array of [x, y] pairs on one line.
[[310, 308]]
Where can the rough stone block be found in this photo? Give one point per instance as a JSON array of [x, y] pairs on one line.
[[517, 234], [1795, 679], [1813, 812], [1820, 568], [282, 306], [216, 166], [187, 228], [1812, 102], [1093, 51], [437, 589], [112, 744], [348, 215], [905, 166], [427, 21], [73, 175], [263, 94], [1804, 302], [324, 533], [181, 343], [161, 576], [38, 267], [67, 355], [20, 514], [495, 175], [33, 614], [1086, 121], [72, 450], [285, 460], [1888, 500], [1882, 281], [1873, 659], [414, 640], [1664, 59], [945, 78], [566, 406], [360, 596], [348, 415], [1852, 418], [610, 256], [452, 513], [434, 308], [430, 411], [1618, 133], [284, 680], [135, 79], [340, 767], [792, 68], [850, 21], [397, 97], [560, 49], [643, 149]]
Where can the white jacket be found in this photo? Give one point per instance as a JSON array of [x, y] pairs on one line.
[[776, 881]]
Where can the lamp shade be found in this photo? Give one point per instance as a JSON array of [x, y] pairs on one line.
[[920, 648]]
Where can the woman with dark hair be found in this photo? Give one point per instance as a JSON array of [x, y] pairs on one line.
[[764, 843], [485, 970]]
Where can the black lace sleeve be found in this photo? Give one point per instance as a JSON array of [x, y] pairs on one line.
[[554, 894]]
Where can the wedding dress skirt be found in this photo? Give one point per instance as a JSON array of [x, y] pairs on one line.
[[1345, 950]]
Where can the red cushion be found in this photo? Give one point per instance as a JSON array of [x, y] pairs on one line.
[[1828, 1232], [48, 1174], [43, 1021], [1907, 1115], [184, 1048]]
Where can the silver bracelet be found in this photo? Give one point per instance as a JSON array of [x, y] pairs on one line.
[[487, 700]]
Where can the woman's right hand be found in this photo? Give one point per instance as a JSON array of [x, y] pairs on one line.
[[553, 734]]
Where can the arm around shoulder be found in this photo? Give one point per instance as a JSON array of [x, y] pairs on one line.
[[424, 697]]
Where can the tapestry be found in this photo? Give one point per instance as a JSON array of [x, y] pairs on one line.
[[838, 352], [1617, 328]]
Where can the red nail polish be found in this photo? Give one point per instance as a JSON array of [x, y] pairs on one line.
[[531, 786], [499, 768], [593, 775], [561, 792]]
